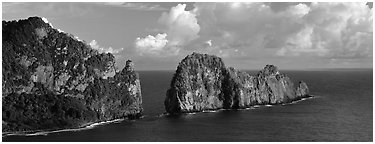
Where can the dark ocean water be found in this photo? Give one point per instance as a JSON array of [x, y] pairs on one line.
[[340, 111]]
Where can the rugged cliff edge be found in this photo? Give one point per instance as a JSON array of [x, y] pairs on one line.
[[203, 82], [53, 80]]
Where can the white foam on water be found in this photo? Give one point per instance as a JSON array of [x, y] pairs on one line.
[[248, 108], [191, 113], [210, 111], [293, 102], [63, 130], [163, 115], [307, 98], [268, 105]]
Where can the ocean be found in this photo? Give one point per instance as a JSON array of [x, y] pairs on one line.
[[341, 110]]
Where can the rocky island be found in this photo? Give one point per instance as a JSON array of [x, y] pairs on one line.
[[203, 82], [52, 80]]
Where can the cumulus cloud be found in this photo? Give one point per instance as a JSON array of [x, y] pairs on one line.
[[209, 43], [181, 27], [155, 45], [328, 30], [95, 45], [258, 32], [302, 42], [336, 30], [298, 10]]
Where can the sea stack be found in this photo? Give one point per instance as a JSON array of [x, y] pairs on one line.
[[52, 80], [203, 82]]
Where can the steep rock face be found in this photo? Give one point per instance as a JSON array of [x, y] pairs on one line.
[[274, 87], [240, 89], [202, 82], [53, 80], [196, 85], [302, 89]]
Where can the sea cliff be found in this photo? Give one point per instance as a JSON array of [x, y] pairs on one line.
[[203, 82], [53, 80]]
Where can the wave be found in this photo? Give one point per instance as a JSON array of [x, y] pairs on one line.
[[209, 111], [248, 108], [212, 111], [44, 133], [302, 99], [163, 115], [308, 98], [191, 113]]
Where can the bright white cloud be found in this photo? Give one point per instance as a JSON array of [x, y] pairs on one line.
[[259, 33], [181, 27], [209, 42], [46, 21], [154, 45], [329, 30], [299, 10], [95, 45]]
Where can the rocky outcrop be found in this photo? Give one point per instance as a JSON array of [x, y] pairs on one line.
[[53, 80], [274, 87], [203, 82], [302, 90], [196, 85]]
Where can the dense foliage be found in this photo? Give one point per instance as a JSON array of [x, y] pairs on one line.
[[202, 82], [48, 111], [52, 80]]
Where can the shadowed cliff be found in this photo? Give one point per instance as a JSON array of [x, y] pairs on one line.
[[203, 82], [53, 80]]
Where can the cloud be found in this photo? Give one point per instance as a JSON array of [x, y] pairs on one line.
[[94, 45], [155, 46], [337, 30], [137, 6], [298, 10], [209, 43], [298, 34], [325, 30], [181, 27], [303, 43]]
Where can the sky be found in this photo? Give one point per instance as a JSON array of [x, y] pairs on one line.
[[156, 36]]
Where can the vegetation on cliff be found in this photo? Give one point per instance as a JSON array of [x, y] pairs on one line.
[[203, 82], [53, 80]]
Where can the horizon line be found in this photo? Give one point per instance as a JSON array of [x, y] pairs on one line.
[[308, 69]]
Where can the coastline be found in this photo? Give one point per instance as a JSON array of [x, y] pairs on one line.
[[93, 125], [39, 132], [240, 109]]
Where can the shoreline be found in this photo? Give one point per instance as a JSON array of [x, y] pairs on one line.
[[38, 133], [93, 125], [240, 109]]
